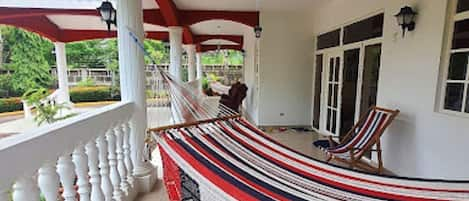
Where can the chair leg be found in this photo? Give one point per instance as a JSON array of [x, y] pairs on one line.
[[380, 157]]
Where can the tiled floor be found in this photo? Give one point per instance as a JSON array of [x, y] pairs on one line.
[[301, 141]]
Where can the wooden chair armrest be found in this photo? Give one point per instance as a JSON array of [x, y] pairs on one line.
[[332, 143]]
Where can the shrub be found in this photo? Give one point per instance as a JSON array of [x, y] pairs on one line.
[[88, 82], [91, 94], [10, 104]]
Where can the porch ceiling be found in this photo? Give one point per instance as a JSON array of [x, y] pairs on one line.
[[225, 22]]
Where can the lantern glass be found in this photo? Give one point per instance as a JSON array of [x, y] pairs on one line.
[[400, 19]]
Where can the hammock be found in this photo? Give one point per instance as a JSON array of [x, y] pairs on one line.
[[213, 154]]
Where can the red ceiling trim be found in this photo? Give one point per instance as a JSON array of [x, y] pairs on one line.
[[232, 38], [154, 16], [246, 18], [9, 13], [40, 25], [70, 35], [206, 48], [169, 11]]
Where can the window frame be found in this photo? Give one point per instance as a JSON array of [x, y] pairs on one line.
[[451, 18]]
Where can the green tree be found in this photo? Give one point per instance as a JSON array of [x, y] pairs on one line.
[[27, 55]]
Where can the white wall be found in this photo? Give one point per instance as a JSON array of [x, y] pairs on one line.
[[421, 142], [286, 65]]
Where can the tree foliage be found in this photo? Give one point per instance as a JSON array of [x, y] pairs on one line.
[[27, 55]]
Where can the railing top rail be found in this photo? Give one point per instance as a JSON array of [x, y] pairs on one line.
[[24, 153]]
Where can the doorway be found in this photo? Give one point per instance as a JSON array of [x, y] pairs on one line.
[[333, 87]]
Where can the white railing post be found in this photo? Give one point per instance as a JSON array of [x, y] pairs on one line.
[[81, 168], [106, 185], [95, 178], [128, 159], [25, 189], [120, 159], [66, 171], [115, 178], [48, 181]]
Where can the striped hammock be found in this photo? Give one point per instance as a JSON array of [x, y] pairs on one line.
[[233, 160], [230, 159]]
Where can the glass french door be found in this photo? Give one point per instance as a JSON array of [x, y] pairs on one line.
[[334, 62]]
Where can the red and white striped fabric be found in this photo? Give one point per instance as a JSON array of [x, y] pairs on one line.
[[233, 160]]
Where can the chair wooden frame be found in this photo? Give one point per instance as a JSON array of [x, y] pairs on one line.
[[356, 161]]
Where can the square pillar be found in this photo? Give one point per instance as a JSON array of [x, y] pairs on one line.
[[175, 52], [62, 77], [191, 67]]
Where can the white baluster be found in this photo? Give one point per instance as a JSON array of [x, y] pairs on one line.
[[120, 159], [25, 189], [66, 171], [81, 168], [48, 181], [106, 185], [95, 178], [127, 157], [115, 178]]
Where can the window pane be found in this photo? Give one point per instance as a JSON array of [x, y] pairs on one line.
[[458, 66], [329, 99], [363, 30], [454, 96], [317, 91], [349, 89], [330, 39], [370, 78], [461, 34], [467, 102], [337, 69], [336, 91], [331, 69], [463, 5]]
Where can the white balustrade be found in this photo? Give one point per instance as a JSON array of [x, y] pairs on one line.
[[65, 169], [120, 159], [48, 181], [114, 174], [106, 184], [127, 157], [92, 162], [81, 168], [25, 189]]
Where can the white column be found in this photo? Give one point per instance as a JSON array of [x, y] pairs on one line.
[[175, 52], [190, 49], [200, 72], [61, 60], [132, 77]]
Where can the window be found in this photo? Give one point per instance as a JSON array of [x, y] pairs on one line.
[[329, 39], [456, 80], [363, 30]]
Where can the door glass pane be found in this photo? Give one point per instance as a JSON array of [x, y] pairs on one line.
[[458, 66], [337, 69], [463, 5], [349, 89], [334, 122], [363, 30], [454, 96], [336, 91], [329, 113], [370, 78], [317, 91], [330, 94], [331, 69], [461, 34]]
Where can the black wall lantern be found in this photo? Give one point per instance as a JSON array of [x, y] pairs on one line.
[[108, 14], [258, 31], [406, 19]]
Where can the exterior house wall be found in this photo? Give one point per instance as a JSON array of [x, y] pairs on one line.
[[422, 142], [286, 65]]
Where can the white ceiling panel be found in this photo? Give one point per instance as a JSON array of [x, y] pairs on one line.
[[82, 22], [219, 42], [220, 27]]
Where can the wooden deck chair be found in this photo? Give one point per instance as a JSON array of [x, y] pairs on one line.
[[361, 139]]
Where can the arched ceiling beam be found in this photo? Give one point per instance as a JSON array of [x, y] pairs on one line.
[[247, 18], [206, 48], [232, 38]]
